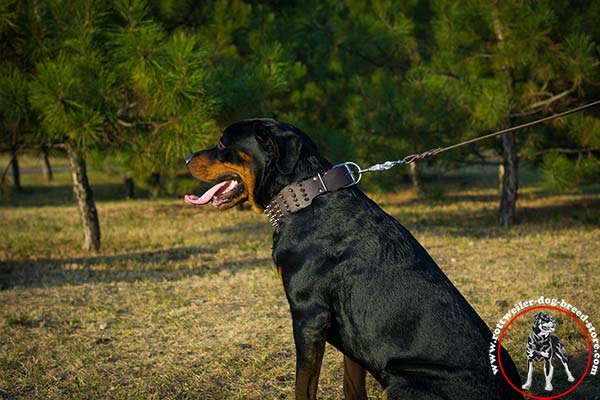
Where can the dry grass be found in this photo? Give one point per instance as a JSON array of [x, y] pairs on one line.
[[183, 302]]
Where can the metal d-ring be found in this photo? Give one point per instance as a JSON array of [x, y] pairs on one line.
[[359, 171]]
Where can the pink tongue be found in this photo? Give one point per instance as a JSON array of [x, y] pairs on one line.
[[206, 197]]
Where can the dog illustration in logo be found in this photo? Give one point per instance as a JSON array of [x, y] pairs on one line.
[[541, 345]]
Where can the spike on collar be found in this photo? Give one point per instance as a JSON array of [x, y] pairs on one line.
[[297, 196]]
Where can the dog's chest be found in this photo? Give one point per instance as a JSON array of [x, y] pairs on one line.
[[537, 344]]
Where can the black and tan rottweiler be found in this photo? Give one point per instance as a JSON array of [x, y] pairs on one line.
[[353, 275]]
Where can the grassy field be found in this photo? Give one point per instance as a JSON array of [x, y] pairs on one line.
[[184, 302]]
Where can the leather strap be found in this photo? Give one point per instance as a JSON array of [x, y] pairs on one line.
[[299, 195]]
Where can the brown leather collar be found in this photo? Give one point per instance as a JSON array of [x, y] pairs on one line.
[[299, 195]]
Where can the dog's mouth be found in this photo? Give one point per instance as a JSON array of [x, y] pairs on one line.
[[223, 195], [547, 328]]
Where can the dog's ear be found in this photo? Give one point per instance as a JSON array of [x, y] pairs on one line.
[[537, 316], [289, 145], [284, 142], [263, 131]]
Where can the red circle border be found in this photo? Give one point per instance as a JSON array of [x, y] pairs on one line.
[[587, 368]]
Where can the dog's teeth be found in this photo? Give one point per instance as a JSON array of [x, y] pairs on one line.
[[232, 185]]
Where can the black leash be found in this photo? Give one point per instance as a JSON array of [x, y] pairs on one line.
[[430, 153]]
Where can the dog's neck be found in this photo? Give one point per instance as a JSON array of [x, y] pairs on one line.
[[313, 176], [299, 195], [543, 333], [539, 335], [309, 165]]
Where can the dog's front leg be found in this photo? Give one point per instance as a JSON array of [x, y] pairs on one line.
[[310, 331], [354, 380], [527, 383]]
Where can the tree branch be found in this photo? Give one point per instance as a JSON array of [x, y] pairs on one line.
[[541, 93], [125, 123], [126, 106], [525, 113], [547, 102], [156, 127]]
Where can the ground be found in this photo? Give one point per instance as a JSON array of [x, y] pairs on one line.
[[184, 302]]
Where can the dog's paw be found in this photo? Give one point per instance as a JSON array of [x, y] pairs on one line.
[[526, 386], [548, 387], [571, 378]]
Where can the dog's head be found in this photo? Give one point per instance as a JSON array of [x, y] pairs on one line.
[[543, 324], [252, 161]]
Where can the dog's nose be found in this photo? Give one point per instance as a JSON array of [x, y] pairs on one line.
[[188, 159]]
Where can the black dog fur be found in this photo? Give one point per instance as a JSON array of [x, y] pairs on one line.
[[356, 278]]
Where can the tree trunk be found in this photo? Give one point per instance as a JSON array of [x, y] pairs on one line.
[[46, 167], [510, 178], [85, 200], [414, 178], [500, 177], [14, 162], [155, 184], [129, 188], [510, 181]]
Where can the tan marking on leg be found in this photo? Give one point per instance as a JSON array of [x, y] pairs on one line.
[[354, 380], [307, 375]]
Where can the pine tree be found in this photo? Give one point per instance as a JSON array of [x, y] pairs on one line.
[[70, 94], [165, 108], [143, 83], [516, 62]]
